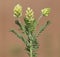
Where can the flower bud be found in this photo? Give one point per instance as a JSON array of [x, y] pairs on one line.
[[45, 11], [17, 10]]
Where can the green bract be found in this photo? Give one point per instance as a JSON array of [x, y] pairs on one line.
[[17, 10], [45, 11]]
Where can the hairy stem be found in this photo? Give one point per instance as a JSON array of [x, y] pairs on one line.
[[18, 35], [40, 18]]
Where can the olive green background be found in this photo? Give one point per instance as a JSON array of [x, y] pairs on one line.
[[49, 40]]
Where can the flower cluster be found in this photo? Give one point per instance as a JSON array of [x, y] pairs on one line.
[[17, 10], [29, 15], [45, 11]]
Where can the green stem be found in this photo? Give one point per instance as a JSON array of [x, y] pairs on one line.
[[31, 53], [40, 17]]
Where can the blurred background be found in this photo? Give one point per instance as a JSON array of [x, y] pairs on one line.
[[49, 40]]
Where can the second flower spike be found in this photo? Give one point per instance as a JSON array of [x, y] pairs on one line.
[[17, 11]]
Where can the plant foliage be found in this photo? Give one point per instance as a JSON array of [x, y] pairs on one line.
[[29, 27]]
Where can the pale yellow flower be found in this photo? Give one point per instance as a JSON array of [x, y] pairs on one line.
[[17, 10], [29, 12], [46, 11]]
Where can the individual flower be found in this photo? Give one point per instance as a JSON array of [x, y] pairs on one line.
[[17, 10], [45, 11]]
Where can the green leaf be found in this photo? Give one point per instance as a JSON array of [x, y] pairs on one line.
[[35, 23], [19, 35], [19, 24], [42, 28], [34, 54]]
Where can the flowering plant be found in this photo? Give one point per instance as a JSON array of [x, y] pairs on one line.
[[29, 28]]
